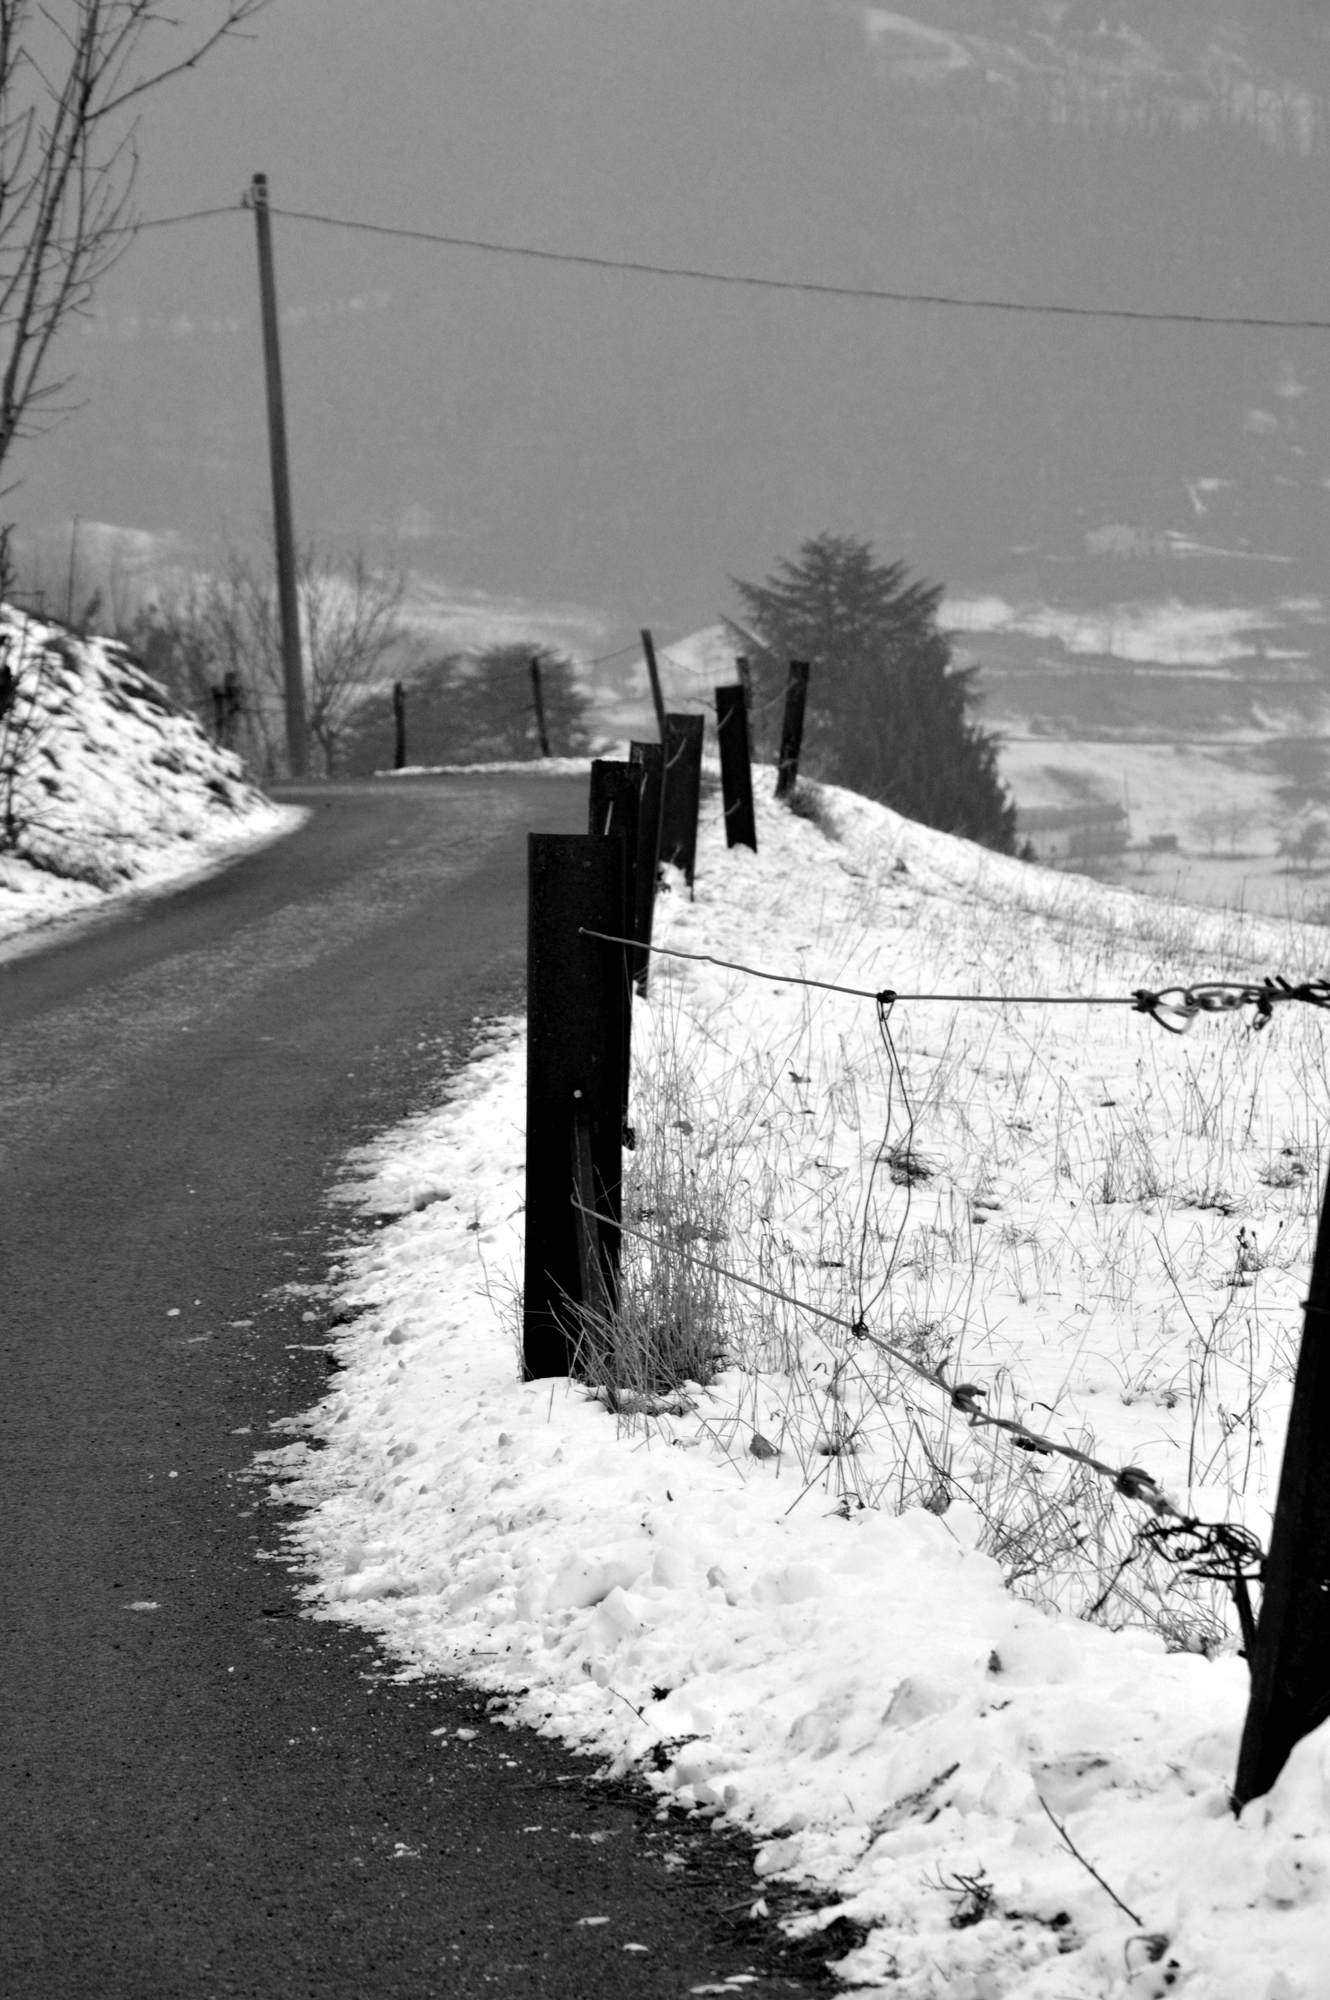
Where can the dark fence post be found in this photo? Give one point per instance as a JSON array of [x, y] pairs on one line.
[[1290, 1663], [745, 673], [399, 726], [615, 803], [736, 766], [574, 1089], [538, 703], [683, 793], [792, 730], [650, 761], [653, 673]]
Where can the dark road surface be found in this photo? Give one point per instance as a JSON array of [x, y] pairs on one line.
[[215, 1796]]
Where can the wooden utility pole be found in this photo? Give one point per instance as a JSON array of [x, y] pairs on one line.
[[538, 703], [288, 603]]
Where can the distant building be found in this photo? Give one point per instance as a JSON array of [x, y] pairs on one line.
[[1068, 834]]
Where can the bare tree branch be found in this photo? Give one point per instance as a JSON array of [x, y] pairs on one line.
[[69, 85]]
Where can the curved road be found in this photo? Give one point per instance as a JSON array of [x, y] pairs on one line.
[[214, 1796]]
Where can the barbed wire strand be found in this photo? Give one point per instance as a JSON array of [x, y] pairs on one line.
[[1132, 1481], [901, 1156], [1182, 1003], [885, 994]]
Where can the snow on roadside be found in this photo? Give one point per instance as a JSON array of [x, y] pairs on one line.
[[117, 791], [539, 767], [868, 1648]]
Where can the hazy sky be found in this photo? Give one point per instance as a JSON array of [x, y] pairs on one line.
[[617, 445]]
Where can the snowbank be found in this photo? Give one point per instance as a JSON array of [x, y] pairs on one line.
[[111, 788], [922, 1668]]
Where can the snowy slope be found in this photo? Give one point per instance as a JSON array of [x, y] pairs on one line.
[[810, 1599], [112, 789]]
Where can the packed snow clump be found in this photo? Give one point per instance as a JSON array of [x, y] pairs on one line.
[[953, 1685], [105, 786]]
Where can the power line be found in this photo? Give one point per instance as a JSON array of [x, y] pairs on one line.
[[696, 274], [878, 294], [170, 221]]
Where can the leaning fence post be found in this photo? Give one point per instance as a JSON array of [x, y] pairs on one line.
[[650, 761], [615, 801], [683, 793], [653, 674], [792, 730], [1290, 1663], [574, 1092], [736, 766], [538, 703], [399, 726]]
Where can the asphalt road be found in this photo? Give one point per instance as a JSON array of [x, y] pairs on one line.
[[216, 1796]]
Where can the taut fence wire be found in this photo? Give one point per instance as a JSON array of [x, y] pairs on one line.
[[1173, 1007]]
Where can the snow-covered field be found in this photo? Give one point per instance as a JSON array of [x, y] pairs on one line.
[[111, 790], [809, 1598]]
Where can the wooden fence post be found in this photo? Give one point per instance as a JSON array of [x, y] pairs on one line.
[[683, 793], [736, 766], [650, 760], [574, 1091], [792, 730], [653, 674], [1290, 1663], [538, 703], [616, 791], [745, 673], [399, 726]]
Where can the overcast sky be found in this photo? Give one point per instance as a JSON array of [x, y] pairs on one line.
[[613, 446]]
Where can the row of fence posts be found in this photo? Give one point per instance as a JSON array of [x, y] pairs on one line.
[[537, 709], [642, 817], [740, 694], [643, 814]]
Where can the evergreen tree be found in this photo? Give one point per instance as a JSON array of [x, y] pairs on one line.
[[889, 711], [474, 709]]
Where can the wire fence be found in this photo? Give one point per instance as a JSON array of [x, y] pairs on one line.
[[1223, 1551]]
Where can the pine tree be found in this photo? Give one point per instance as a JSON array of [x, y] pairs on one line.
[[889, 711]]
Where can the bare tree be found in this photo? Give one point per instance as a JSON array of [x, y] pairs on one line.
[[352, 622], [1239, 820], [215, 643], [72, 74], [1209, 823], [1302, 840]]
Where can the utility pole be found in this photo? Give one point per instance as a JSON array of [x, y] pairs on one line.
[[293, 676]]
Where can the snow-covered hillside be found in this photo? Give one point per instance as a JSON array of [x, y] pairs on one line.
[[940, 1679], [104, 786]]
